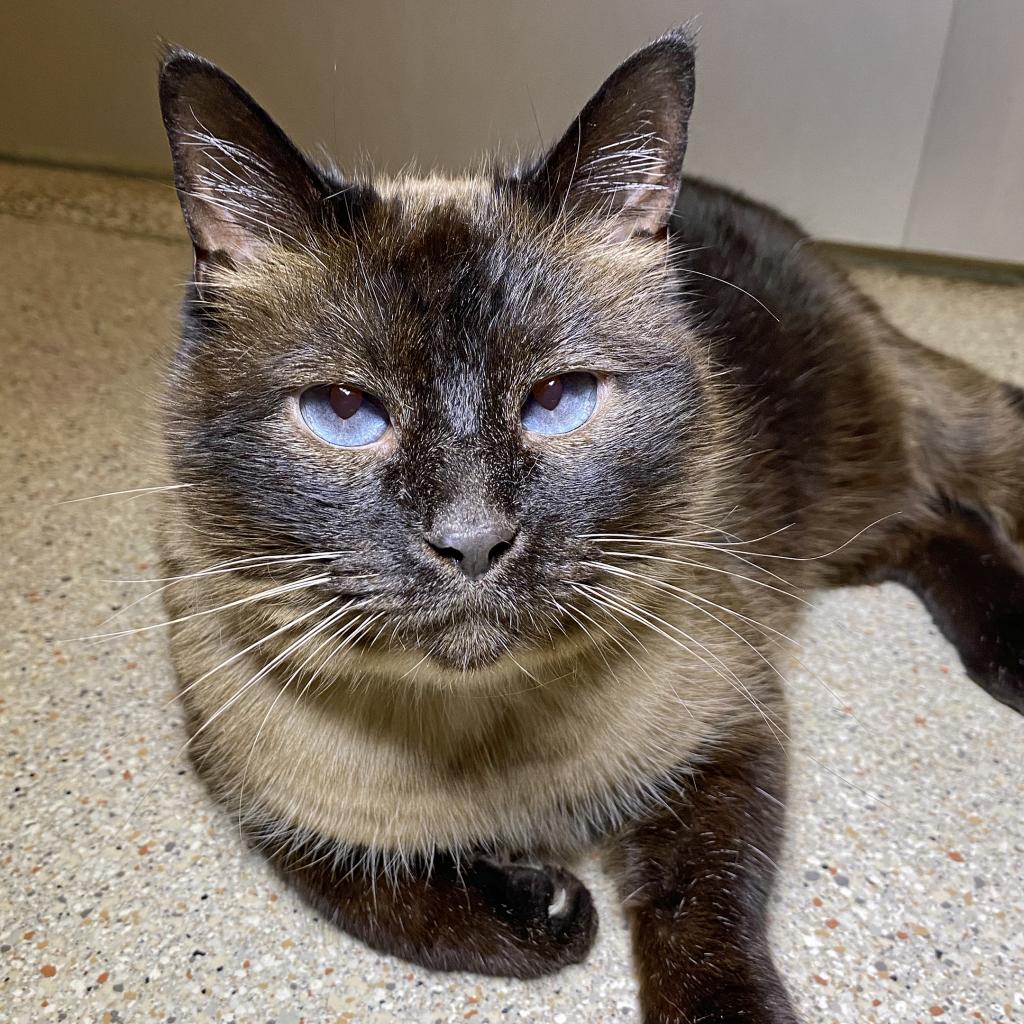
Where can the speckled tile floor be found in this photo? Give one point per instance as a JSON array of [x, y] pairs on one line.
[[127, 896]]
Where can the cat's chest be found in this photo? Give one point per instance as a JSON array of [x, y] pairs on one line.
[[430, 773]]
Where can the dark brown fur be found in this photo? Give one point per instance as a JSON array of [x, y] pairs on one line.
[[753, 393]]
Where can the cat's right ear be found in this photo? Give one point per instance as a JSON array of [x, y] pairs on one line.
[[241, 182], [622, 158]]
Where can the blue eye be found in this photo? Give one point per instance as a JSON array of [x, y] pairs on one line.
[[343, 415], [557, 405]]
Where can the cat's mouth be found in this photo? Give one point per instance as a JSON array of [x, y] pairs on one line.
[[478, 631], [475, 644], [470, 640]]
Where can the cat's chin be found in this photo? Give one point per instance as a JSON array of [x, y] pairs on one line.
[[472, 645], [472, 670], [464, 661], [451, 654], [463, 658]]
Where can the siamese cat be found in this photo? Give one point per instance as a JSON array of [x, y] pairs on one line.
[[497, 496]]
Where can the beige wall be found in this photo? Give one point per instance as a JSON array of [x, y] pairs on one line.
[[969, 196], [819, 106], [78, 77]]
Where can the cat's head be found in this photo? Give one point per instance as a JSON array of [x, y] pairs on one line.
[[442, 387]]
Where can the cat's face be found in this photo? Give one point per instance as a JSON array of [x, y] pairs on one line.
[[443, 387]]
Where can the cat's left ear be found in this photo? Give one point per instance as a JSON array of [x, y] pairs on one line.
[[622, 158], [241, 181]]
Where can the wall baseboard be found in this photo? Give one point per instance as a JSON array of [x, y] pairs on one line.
[[916, 262]]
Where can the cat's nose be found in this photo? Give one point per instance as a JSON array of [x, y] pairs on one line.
[[473, 549]]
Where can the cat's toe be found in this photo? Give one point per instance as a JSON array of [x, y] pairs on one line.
[[571, 915], [548, 906]]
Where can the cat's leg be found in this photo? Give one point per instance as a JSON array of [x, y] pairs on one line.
[[971, 579], [695, 877], [512, 920]]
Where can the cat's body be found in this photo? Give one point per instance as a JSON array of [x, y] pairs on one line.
[[398, 737], [856, 421]]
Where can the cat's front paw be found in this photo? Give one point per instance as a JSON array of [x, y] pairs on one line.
[[546, 906], [763, 1002]]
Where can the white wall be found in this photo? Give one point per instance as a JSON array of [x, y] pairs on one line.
[[969, 196], [822, 107], [817, 106]]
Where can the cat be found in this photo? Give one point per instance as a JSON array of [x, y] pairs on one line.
[[496, 498]]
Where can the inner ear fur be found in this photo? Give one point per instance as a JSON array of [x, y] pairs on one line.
[[622, 158], [241, 181]]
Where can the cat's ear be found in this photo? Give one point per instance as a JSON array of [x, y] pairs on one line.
[[623, 156], [241, 181]]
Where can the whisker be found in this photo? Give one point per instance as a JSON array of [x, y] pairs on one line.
[[572, 614], [770, 719], [330, 620], [826, 554], [763, 627], [651, 621], [236, 565], [515, 661], [767, 631], [251, 647], [776, 728], [660, 585], [214, 570], [347, 642], [167, 765], [740, 543], [130, 490], [412, 671], [722, 546], [691, 563], [264, 595], [611, 636], [253, 680], [610, 612], [730, 284]]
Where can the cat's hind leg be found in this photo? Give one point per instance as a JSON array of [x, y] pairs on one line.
[[513, 920], [971, 579]]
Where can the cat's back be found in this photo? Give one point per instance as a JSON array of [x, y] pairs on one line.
[[804, 357], [751, 273]]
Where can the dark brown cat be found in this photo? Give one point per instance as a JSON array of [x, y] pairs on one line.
[[489, 487]]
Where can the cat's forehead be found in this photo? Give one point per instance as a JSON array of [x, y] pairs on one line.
[[430, 226], [450, 273], [425, 195], [450, 241], [435, 228], [455, 279]]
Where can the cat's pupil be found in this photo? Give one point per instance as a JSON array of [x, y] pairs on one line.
[[345, 401], [548, 393]]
